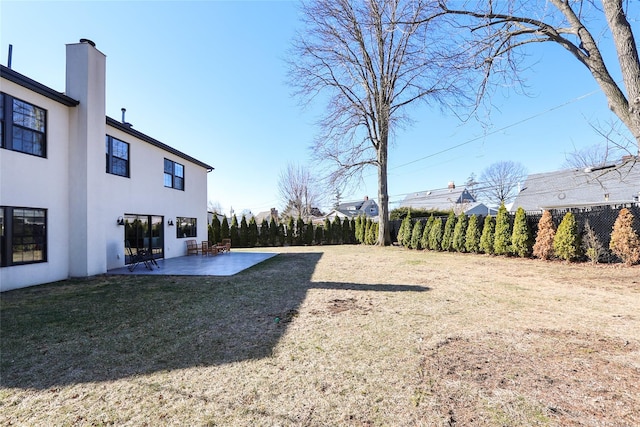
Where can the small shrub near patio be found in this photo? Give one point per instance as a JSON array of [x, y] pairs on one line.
[[593, 249], [502, 238], [520, 238], [447, 235], [566, 244], [435, 235], [488, 235], [543, 248], [472, 238], [625, 243], [416, 236], [460, 233]]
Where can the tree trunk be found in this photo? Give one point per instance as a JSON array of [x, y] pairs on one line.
[[384, 234], [629, 59]]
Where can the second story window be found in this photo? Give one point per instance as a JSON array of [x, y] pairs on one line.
[[173, 175], [117, 153], [22, 126]]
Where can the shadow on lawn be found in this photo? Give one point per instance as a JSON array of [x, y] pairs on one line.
[[114, 327]]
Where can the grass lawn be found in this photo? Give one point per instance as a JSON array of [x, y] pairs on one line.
[[318, 336]]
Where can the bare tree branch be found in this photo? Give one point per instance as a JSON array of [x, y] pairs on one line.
[[371, 59], [498, 30]]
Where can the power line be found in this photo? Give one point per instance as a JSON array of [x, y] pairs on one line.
[[571, 101]]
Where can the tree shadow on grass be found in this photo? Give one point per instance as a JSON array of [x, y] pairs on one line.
[[113, 327]]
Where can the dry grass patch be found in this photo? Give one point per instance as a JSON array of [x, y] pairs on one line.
[[356, 336]]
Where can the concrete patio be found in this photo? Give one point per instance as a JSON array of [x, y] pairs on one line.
[[226, 264]]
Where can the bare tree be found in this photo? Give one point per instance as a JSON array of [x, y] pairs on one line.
[[297, 189], [499, 182], [372, 58], [500, 28], [614, 146]]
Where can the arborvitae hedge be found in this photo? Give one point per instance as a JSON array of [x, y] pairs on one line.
[[625, 243], [274, 232], [215, 229], [566, 244], [336, 231], [359, 229], [424, 241], [472, 238], [488, 235], [460, 233], [372, 232], [543, 247], [234, 234], [299, 232], [243, 233], [263, 237], [502, 238], [327, 231], [224, 228], [447, 235], [318, 237], [435, 235], [289, 231], [416, 235], [279, 233], [520, 237], [252, 240], [404, 233], [592, 248]]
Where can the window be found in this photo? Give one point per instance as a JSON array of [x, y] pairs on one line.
[[22, 126], [117, 153], [23, 233], [186, 227], [173, 175]]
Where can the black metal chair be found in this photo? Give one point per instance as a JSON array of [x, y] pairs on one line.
[[143, 256]]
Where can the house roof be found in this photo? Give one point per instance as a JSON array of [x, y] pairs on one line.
[[443, 199], [353, 209], [26, 82], [603, 185], [129, 130]]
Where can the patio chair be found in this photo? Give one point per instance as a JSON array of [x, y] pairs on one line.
[[143, 256], [224, 246], [208, 249], [192, 247]]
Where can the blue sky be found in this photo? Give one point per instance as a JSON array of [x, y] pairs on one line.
[[209, 78]]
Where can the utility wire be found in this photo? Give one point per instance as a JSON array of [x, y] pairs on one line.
[[497, 130]]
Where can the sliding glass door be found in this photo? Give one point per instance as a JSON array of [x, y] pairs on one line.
[[144, 232]]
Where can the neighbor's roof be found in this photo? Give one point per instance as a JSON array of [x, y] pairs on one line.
[[604, 185], [443, 199]]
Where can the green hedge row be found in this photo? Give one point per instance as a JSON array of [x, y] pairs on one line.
[[501, 236]]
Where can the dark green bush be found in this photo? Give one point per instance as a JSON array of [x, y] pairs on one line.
[[520, 237], [460, 233], [566, 244], [502, 238], [488, 235], [472, 238]]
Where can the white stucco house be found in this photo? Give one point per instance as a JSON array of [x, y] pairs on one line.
[[76, 185]]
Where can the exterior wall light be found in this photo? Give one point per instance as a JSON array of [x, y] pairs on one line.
[[120, 220], [170, 223]]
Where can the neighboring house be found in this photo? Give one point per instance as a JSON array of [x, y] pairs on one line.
[[273, 213], [365, 207], [460, 200], [75, 185], [616, 184]]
